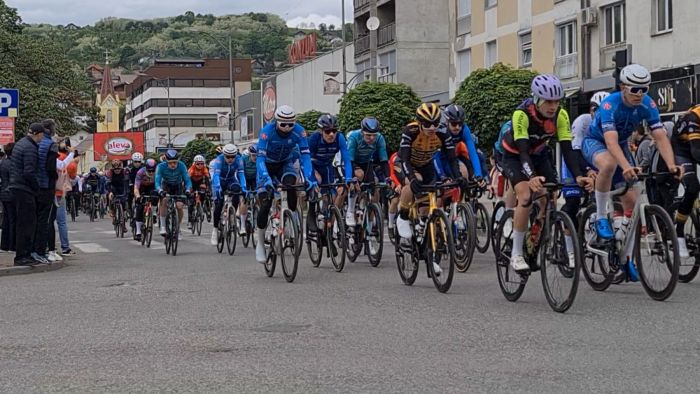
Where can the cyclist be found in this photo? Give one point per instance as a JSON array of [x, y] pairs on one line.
[[144, 186], [171, 178], [324, 145], [367, 150], [228, 175], [276, 153], [394, 169], [686, 146], [605, 146], [117, 184], [134, 167], [527, 159], [460, 133], [200, 176], [250, 171], [92, 180]]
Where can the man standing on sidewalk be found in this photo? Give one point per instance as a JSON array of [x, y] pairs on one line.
[[7, 242], [46, 176], [25, 186]]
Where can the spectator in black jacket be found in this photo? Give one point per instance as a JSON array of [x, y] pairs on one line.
[[7, 242], [24, 186], [45, 205]]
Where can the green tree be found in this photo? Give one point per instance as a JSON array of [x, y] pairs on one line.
[[309, 119], [394, 105], [197, 147], [10, 21], [489, 97]]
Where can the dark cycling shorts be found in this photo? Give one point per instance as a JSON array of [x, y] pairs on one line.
[[427, 173], [372, 171], [328, 174], [251, 182], [174, 190], [513, 168]]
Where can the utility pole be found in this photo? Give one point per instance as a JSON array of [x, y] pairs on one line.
[[373, 42], [231, 122], [345, 61], [170, 142]]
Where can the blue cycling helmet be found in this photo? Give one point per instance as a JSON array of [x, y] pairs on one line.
[[253, 149], [170, 154], [328, 122], [93, 170], [371, 125], [454, 113]]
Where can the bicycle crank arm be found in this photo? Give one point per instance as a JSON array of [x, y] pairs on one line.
[[598, 252]]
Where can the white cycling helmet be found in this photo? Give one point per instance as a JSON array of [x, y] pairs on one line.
[[285, 113], [598, 98], [635, 75], [137, 157], [230, 150], [199, 159]]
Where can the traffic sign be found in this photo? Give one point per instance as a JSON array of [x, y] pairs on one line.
[[7, 130], [9, 103]]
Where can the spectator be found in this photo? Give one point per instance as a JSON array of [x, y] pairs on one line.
[[7, 243], [24, 186], [63, 185], [46, 177]]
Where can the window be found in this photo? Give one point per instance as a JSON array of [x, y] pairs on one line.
[[490, 3], [662, 13], [210, 123], [197, 122], [198, 83], [566, 39], [464, 8], [465, 64], [182, 122], [491, 55], [614, 24], [109, 116], [183, 103], [464, 17], [526, 49], [387, 63]]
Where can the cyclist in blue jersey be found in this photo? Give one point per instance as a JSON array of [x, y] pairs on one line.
[[276, 158], [605, 146], [324, 145], [229, 175], [460, 132], [367, 150], [171, 178]]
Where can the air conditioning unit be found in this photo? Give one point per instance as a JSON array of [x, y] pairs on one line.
[[589, 16]]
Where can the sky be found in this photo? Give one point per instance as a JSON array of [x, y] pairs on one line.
[[87, 12]]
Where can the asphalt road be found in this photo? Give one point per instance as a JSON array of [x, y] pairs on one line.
[[122, 318]]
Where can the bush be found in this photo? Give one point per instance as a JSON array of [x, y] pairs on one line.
[[489, 98], [197, 147], [394, 105], [309, 119]]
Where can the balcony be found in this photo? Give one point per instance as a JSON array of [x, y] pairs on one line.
[[387, 78], [360, 5], [607, 55], [464, 25], [386, 35], [361, 45], [566, 66]]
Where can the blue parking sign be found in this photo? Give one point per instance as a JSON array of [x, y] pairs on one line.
[[9, 103]]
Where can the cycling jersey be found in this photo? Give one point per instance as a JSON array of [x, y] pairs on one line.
[[323, 153], [198, 174], [133, 171], [362, 152], [579, 130], [417, 149], [94, 181], [686, 133], [172, 177], [528, 124], [277, 148], [466, 138], [144, 180], [226, 174], [614, 115], [118, 184], [249, 168]]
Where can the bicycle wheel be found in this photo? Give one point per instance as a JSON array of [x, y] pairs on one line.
[[463, 228], [147, 230], [288, 246], [299, 219], [174, 234], [483, 228], [245, 239], [406, 258], [93, 213], [167, 239], [374, 234], [221, 236], [498, 210], [440, 250], [559, 280], [314, 243], [689, 268], [335, 238], [231, 231], [252, 218], [656, 253], [271, 244], [596, 268], [118, 214], [512, 284], [199, 219]]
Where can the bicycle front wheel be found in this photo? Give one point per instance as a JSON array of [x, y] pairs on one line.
[[656, 253], [440, 251], [288, 246], [374, 234], [559, 278], [335, 238], [463, 225], [147, 230], [689, 268], [174, 231], [199, 219], [231, 231], [118, 220], [406, 258], [596, 269], [483, 228], [498, 211], [314, 243], [512, 284]]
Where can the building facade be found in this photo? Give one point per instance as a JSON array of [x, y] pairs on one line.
[[108, 103], [176, 101]]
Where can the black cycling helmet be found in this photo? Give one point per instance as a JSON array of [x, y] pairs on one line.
[[371, 125], [170, 154], [93, 170], [328, 122], [454, 113]]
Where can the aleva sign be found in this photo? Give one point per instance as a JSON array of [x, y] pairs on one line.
[[119, 146]]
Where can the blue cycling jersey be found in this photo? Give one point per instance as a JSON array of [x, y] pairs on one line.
[[275, 147], [228, 174], [323, 153], [614, 115], [362, 152], [466, 137], [177, 176]]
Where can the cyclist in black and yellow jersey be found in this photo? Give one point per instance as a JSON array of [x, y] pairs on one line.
[[414, 165], [526, 158]]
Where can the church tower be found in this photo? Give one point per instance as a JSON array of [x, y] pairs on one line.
[[108, 102]]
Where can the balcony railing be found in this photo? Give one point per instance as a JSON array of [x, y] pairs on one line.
[[607, 55], [361, 45], [566, 66], [388, 78], [360, 4], [386, 34]]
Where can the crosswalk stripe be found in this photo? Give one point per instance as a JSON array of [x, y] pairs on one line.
[[90, 247]]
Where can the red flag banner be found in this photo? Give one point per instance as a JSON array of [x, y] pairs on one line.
[[302, 49]]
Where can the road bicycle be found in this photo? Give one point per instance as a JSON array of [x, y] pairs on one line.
[[149, 217], [172, 223], [482, 218], [368, 233], [250, 221], [228, 225], [282, 239], [120, 216], [198, 214], [330, 228]]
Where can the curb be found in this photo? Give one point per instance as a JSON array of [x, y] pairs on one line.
[[21, 270]]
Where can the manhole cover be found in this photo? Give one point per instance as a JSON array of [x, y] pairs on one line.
[[283, 328]]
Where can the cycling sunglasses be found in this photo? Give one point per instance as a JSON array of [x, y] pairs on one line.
[[330, 131], [456, 124], [172, 161], [286, 125], [428, 125], [229, 157], [638, 89]]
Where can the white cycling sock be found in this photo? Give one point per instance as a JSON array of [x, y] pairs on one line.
[[351, 205], [243, 219], [569, 243], [518, 237], [138, 227], [162, 222], [601, 204], [392, 219]]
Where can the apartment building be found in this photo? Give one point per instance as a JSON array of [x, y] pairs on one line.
[[413, 44], [176, 101], [580, 40]]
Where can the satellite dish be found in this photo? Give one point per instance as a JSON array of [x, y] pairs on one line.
[[373, 23]]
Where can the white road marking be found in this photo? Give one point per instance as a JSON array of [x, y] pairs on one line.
[[90, 247]]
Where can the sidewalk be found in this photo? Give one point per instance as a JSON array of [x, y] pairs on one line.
[[7, 266]]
